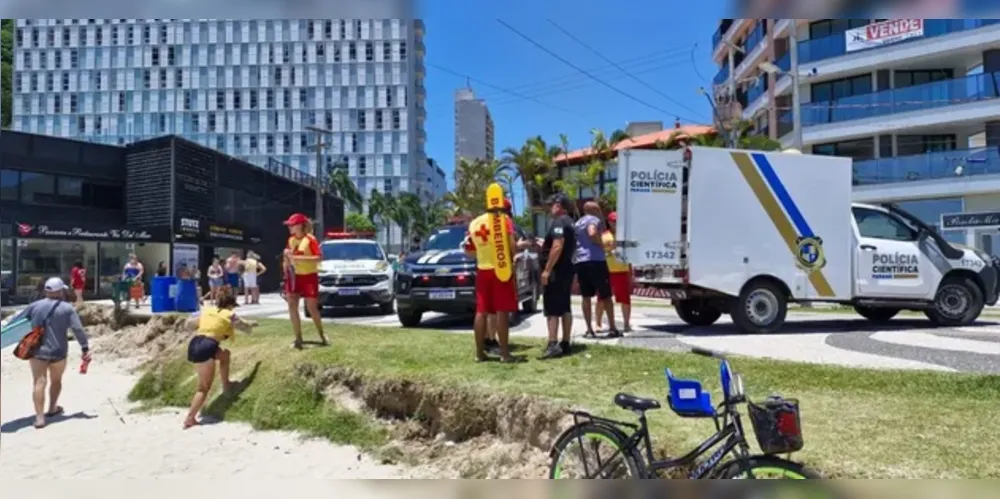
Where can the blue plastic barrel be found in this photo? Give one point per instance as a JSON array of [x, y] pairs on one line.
[[161, 298], [187, 295]]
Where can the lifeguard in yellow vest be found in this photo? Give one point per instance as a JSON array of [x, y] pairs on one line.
[[490, 242]]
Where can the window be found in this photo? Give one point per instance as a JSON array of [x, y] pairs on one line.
[[839, 89], [220, 99], [211, 122], [378, 120], [402, 51], [236, 100], [387, 185], [253, 99], [145, 78], [171, 56], [156, 56], [277, 76], [395, 119], [58, 59], [108, 197], [9, 180], [910, 78], [369, 52], [286, 142], [386, 51], [352, 52], [352, 251], [303, 97], [362, 166], [859, 150], [354, 142], [57, 104], [362, 119], [37, 188], [270, 99], [70, 190], [829, 27], [81, 125], [343, 29], [178, 78], [881, 225], [921, 144]]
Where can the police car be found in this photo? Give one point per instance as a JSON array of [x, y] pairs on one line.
[[441, 278], [355, 272]]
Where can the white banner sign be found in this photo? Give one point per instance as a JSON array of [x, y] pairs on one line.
[[883, 33]]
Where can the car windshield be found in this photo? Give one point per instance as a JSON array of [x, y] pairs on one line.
[[447, 238], [352, 251]]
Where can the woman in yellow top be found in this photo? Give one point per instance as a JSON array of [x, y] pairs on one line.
[[215, 325], [620, 272], [303, 255]]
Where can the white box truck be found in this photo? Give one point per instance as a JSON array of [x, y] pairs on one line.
[[746, 233]]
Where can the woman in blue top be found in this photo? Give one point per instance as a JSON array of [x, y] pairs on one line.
[[132, 273]]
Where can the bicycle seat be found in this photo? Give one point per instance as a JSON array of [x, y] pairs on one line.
[[631, 402]]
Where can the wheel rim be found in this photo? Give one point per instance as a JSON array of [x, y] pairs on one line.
[[762, 307], [772, 473], [953, 301], [574, 455]]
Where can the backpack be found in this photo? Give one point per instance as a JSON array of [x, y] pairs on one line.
[[28, 345]]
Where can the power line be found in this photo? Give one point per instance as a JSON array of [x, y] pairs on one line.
[[694, 65], [617, 66], [504, 90], [654, 57], [585, 72], [586, 82]]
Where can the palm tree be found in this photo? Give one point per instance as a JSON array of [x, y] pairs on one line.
[[380, 208], [339, 184], [469, 195], [429, 217], [406, 210], [744, 139]]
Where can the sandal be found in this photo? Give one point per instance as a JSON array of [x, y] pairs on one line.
[[59, 411], [590, 334], [614, 333]]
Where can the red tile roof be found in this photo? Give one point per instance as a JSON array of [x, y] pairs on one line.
[[639, 142]]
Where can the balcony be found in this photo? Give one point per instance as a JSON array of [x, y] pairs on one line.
[[758, 89], [836, 45], [724, 26], [974, 88], [930, 166], [722, 76]]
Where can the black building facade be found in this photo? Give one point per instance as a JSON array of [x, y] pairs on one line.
[[165, 200]]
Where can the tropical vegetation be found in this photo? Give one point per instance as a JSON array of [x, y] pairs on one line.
[[6, 70]]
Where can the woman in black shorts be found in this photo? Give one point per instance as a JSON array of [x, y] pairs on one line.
[[215, 325]]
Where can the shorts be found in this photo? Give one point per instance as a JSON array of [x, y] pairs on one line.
[[594, 279], [304, 285], [233, 279], [556, 295], [494, 296], [215, 282], [202, 349], [78, 286], [250, 280], [621, 287]]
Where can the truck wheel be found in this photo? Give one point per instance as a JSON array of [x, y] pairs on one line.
[[876, 314], [760, 309], [409, 318], [958, 302], [697, 312]]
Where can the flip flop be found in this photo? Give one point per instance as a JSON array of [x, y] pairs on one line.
[[57, 412]]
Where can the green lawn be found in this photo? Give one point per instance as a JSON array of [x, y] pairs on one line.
[[857, 423]]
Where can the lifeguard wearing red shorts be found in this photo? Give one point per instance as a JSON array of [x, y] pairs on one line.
[[492, 295], [306, 280], [620, 272]]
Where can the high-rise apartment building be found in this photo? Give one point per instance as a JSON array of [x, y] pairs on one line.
[[432, 184], [248, 88], [473, 127], [914, 102]]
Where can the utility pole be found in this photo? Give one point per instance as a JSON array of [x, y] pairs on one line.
[[793, 41], [322, 178]]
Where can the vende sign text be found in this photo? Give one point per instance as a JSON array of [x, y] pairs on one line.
[[883, 33]]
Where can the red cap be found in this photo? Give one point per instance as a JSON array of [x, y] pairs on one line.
[[506, 204], [297, 219], [613, 217]]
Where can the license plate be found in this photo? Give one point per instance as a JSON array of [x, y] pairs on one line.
[[441, 295], [349, 292]]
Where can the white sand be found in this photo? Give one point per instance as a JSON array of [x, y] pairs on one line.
[[92, 442]]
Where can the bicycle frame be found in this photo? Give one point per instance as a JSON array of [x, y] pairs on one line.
[[729, 433]]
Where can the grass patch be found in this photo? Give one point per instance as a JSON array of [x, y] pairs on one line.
[[857, 423]]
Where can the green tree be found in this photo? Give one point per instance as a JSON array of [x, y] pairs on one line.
[[742, 130], [473, 177], [407, 208], [6, 70], [430, 216], [339, 184], [380, 209], [357, 222]]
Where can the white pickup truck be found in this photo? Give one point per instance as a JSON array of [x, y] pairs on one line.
[[746, 233]]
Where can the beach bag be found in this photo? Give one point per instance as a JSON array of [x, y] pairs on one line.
[[28, 345]]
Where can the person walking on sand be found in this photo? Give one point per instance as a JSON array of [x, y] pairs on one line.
[[48, 364], [132, 273], [78, 280], [621, 276], [253, 268], [303, 257], [214, 325]]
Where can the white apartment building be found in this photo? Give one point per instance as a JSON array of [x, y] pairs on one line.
[[433, 184], [248, 88], [915, 103], [473, 127]]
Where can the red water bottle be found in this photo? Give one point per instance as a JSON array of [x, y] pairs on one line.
[[84, 365]]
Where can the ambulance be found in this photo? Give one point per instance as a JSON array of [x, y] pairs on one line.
[[746, 233]]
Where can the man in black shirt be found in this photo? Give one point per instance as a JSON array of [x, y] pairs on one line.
[[557, 276]]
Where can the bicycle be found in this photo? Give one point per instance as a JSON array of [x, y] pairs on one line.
[[776, 423]]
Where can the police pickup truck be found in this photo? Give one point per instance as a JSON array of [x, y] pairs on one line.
[[441, 278], [355, 273]]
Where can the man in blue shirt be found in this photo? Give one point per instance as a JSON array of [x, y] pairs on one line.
[[592, 268]]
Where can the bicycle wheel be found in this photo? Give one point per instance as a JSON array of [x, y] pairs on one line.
[[601, 455], [767, 468]]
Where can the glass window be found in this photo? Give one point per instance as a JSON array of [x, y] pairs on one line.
[[38, 188], [447, 238], [39, 259], [105, 196], [880, 225], [352, 251], [70, 190], [929, 211], [113, 259], [8, 185]]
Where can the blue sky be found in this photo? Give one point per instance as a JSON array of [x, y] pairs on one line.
[[650, 39]]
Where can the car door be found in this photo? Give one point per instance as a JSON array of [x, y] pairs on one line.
[[888, 259], [521, 264]]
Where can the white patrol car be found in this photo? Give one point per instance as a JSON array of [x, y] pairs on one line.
[[355, 273]]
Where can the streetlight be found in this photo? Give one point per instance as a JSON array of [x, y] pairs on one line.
[[321, 179], [720, 126], [770, 68]]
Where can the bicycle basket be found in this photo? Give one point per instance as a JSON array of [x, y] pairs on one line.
[[777, 425]]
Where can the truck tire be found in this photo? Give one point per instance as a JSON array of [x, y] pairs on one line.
[[409, 318], [697, 312], [761, 308], [958, 302], [876, 314]]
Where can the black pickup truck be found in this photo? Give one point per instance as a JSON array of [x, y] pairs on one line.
[[441, 278]]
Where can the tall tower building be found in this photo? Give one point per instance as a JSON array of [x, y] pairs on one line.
[[473, 127], [248, 88]]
